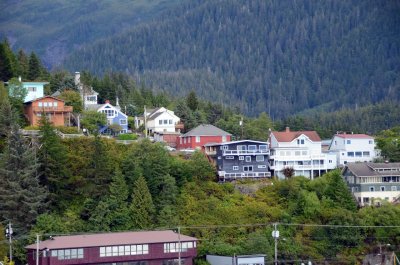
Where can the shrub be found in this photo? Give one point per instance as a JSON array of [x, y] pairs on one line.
[[127, 136], [68, 130]]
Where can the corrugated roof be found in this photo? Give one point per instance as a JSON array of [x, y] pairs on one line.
[[206, 130], [371, 169], [354, 136], [111, 239], [288, 136]]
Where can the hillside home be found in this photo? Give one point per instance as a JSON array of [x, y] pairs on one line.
[[113, 114], [35, 89], [163, 120], [372, 183], [350, 148], [202, 135], [89, 96], [124, 248], [240, 159], [300, 150], [53, 108]]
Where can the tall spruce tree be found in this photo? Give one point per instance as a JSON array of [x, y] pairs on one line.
[[23, 64], [21, 195], [338, 192], [7, 62], [142, 207], [53, 158], [35, 67]]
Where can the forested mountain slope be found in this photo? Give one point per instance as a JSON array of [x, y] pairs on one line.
[[54, 28], [278, 56]]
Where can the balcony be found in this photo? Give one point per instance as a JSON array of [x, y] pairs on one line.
[[245, 152], [52, 109], [241, 175]]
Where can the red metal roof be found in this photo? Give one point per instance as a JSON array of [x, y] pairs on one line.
[[354, 136], [288, 136], [111, 239]]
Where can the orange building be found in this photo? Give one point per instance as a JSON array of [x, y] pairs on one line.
[[52, 107]]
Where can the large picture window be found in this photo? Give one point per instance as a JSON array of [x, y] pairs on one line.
[[70, 253], [126, 250]]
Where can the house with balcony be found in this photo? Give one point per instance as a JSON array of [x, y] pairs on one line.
[[162, 120], [133, 248], [350, 148], [114, 116], [202, 135], [54, 109], [300, 150], [373, 183], [245, 159]]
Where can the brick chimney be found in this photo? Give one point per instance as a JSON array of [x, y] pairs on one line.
[[287, 129]]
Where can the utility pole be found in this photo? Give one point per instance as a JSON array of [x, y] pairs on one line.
[[9, 233], [37, 249], [145, 122], [275, 235], [179, 245]]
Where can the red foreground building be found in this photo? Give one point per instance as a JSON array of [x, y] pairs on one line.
[[202, 135], [125, 248]]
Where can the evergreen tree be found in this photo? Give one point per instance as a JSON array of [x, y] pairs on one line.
[[338, 191], [23, 64], [118, 200], [35, 67], [166, 202], [53, 158], [21, 195], [7, 62], [191, 101], [141, 208]]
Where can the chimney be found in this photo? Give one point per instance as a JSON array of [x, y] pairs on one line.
[[19, 79], [77, 78], [117, 102], [287, 129], [107, 101]]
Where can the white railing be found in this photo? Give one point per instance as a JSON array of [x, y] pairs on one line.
[[244, 175], [245, 152]]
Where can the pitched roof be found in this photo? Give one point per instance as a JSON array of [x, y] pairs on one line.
[[235, 142], [111, 239], [354, 136], [206, 130], [36, 99], [372, 169], [288, 136]]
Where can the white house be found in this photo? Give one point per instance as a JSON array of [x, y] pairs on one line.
[[372, 183], [162, 120], [350, 148], [89, 96], [300, 150]]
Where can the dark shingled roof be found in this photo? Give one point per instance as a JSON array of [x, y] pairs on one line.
[[206, 130], [372, 169], [111, 239]]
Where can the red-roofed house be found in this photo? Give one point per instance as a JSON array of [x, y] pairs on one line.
[[125, 248], [350, 148], [300, 150]]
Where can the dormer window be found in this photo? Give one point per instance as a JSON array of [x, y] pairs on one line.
[[300, 141]]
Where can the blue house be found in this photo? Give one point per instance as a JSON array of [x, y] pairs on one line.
[[114, 116], [240, 159]]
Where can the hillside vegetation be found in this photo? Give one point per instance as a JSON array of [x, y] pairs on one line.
[[55, 28], [277, 56]]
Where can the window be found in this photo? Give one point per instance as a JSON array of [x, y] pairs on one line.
[[184, 140], [358, 154], [197, 139], [45, 104], [122, 122], [39, 114], [123, 250], [40, 104], [247, 168], [350, 154], [230, 157], [165, 121], [370, 141], [300, 141], [252, 148], [348, 141], [365, 153], [73, 253], [241, 147], [382, 188], [32, 89], [263, 148], [262, 166], [160, 122], [170, 121], [50, 104], [259, 158], [371, 189], [241, 157], [174, 247], [248, 158], [304, 153], [335, 142], [297, 153], [223, 138], [393, 188], [224, 147], [55, 104], [235, 168]]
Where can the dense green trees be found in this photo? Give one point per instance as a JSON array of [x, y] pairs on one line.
[[388, 141]]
